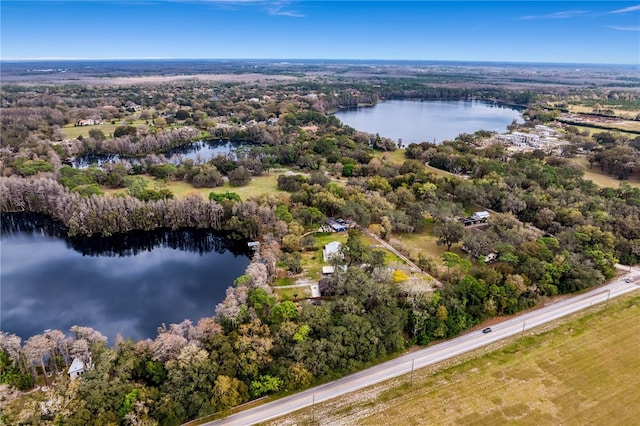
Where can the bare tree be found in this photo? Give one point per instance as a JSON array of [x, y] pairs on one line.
[[167, 346], [206, 329], [231, 307], [37, 348], [59, 347], [80, 349], [11, 344], [88, 334], [258, 274]]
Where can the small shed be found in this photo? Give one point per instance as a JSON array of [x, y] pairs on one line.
[[490, 257], [76, 369], [328, 270], [483, 215], [330, 250]]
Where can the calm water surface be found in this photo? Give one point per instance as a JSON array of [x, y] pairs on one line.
[[129, 284], [429, 121], [200, 151]]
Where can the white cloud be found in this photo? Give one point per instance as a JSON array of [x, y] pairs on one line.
[[624, 28], [626, 10], [280, 9], [557, 15]]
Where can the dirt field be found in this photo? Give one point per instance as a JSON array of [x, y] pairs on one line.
[[584, 371], [151, 79]]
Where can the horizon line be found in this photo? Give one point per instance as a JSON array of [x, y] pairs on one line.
[[68, 59]]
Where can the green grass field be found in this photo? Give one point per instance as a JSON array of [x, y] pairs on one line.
[[438, 172], [265, 184], [396, 157], [602, 179], [72, 132], [584, 370], [593, 130], [424, 243]]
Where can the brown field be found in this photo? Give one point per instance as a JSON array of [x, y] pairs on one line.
[[146, 80], [582, 109], [605, 123], [581, 370]]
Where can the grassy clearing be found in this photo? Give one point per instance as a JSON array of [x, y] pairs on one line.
[[424, 243], [292, 293], [312, 261], [72, 132], [259, 185], [583, 109], [283, 281], [602, 179], [396, 157], [438, 172], [618, 125], [584, 370], [593, 130]]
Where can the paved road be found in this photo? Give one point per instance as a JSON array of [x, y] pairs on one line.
[[433, 354]]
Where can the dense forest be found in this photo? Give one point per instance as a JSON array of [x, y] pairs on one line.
[[551, 231]]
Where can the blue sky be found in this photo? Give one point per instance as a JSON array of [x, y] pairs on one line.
[[518, 31]]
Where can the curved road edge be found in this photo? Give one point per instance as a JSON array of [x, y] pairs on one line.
[[433, 354]]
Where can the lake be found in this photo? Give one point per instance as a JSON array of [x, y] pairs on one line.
[[428, 121], [128, 284]]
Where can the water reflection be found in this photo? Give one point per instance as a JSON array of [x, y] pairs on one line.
[[429, 121], [201, 151], [129, 284]]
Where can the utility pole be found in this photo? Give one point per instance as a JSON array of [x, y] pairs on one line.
[[313, 409], [523, 324], [413, 362], [607, 302]]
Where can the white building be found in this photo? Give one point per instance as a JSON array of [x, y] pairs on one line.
[[328, 270], [544, 131], [76, 369], [330, 250], [519, 138], [483, 215]]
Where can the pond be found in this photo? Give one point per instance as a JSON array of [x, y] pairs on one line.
[[429, 121], [200, 151], [128, 284]]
